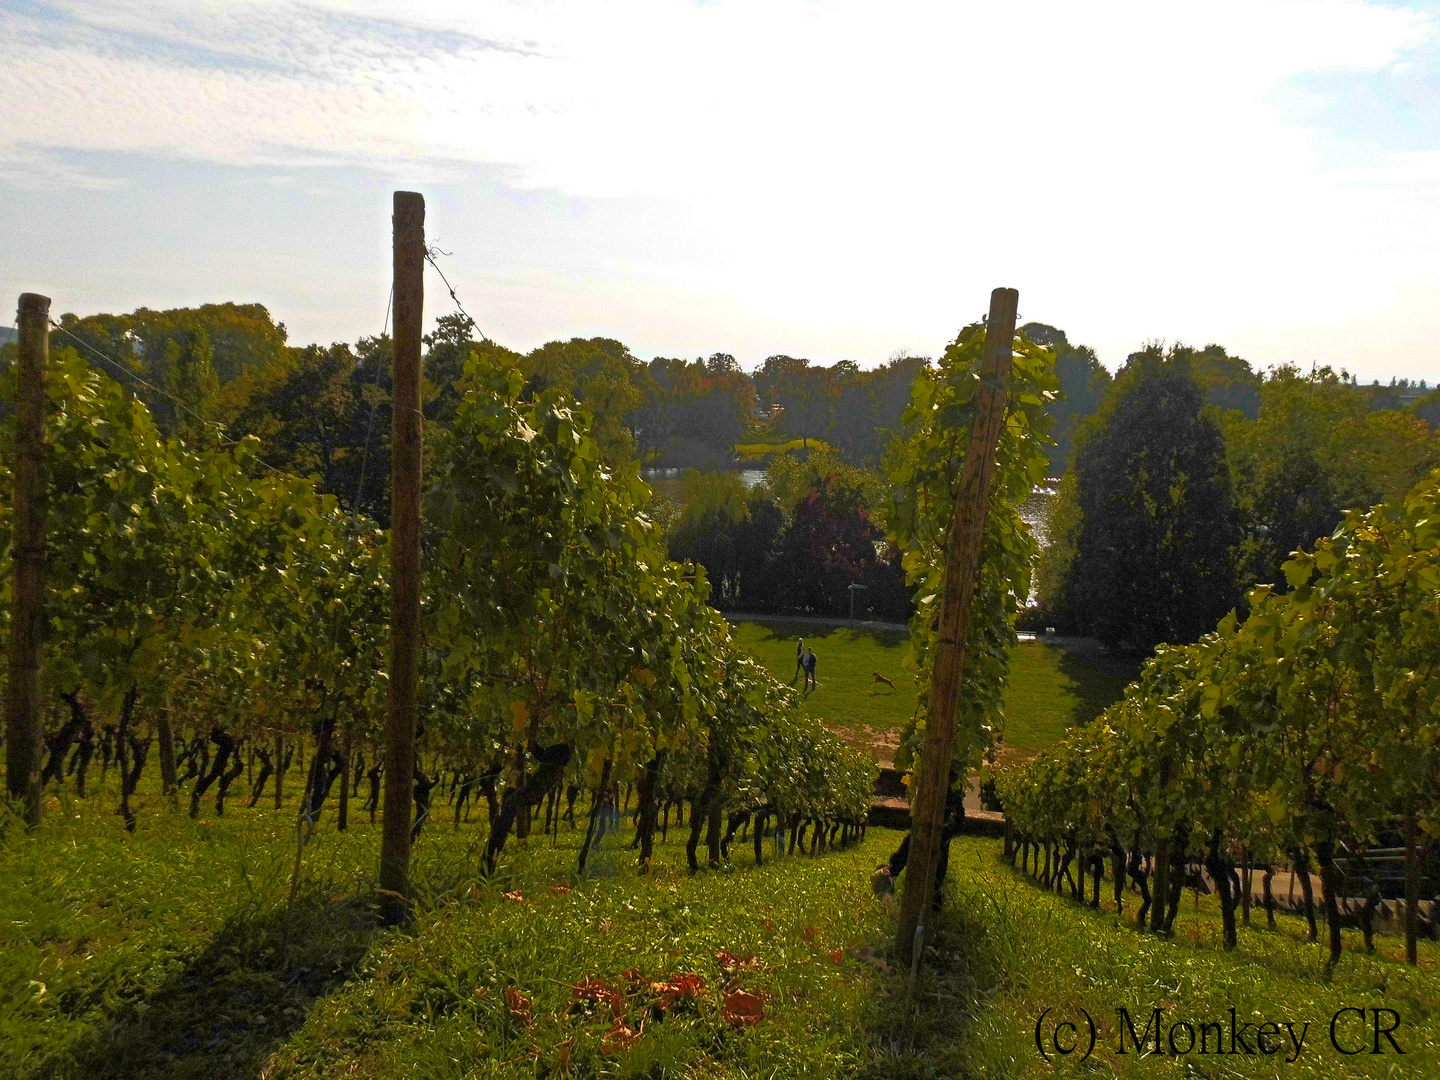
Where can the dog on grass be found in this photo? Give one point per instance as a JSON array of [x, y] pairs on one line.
[[882, 678]]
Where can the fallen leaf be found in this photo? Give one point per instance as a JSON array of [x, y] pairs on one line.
[[729, 962], [743, 1008], [519, 1006], [677, 988], [620, 1037], [597, 991]]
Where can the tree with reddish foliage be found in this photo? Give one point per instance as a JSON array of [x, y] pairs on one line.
[[834, 543]]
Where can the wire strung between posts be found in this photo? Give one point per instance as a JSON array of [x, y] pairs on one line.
[[214, 427], [430, 258]]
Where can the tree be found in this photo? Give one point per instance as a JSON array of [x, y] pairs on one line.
[[446, 350], [1083, 383], [1295, 506], [1314, 449], [1428, 408], [832, 544], [693, 414], [732, 533], [808, 395], [191, 353], [1153, 554], [869, 412], [602, 375], [323, 412]]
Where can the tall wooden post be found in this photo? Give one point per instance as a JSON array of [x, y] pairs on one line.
[[22, 701], [965, 547], [405, 453]]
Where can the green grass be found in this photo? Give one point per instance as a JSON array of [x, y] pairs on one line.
[[757, 451], [1052, 686], [847, 696], [1008, 950], [1055, 686], [174, 953]]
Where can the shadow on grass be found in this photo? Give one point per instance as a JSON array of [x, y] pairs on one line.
[[789, 631], [231, 1006], [1100, 677], [961, 969]]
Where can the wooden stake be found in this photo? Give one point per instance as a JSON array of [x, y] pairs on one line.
[[964, 549], [405, 453], [23, 734]]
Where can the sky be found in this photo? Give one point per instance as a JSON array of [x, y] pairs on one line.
[[819, 178]]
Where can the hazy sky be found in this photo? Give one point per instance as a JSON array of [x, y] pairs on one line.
[[824, 179]]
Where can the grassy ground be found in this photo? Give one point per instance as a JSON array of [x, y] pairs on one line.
[[847, 696], [1052, 686], [1008, 950], [176, 953]]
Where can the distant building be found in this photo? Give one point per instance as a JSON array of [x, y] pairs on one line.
[[8, 334]]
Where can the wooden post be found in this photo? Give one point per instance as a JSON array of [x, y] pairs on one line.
[[23, 735], [405, 452], [965, 547]]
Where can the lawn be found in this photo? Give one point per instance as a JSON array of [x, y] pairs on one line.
[[1056, 685], [1052, 686], [847, 697], [176, 953]]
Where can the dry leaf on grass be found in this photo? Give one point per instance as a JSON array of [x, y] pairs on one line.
[[519, 1006], [743, 1008], [620, 1037]]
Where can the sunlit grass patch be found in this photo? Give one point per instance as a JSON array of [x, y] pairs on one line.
[[175, 953], [1052, 686], [1008, 950]]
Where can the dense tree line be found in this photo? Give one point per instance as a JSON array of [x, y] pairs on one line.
[[798, 542], [1196, 479], [313, 406], [1173, 502]]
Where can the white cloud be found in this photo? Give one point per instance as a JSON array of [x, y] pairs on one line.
[[1124, 164]]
